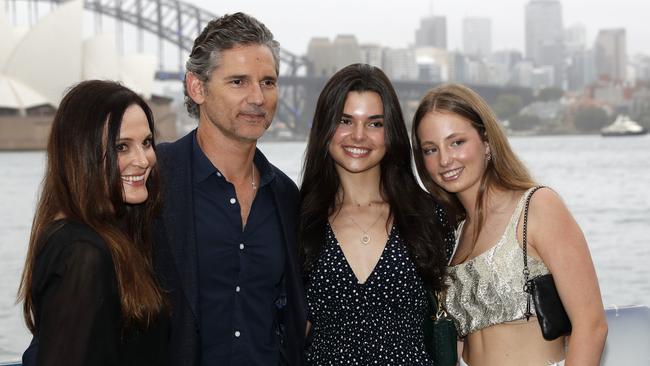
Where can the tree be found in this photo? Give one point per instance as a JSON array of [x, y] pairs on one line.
[[590, 119], [550, 94], [524, 122], [507, 105]]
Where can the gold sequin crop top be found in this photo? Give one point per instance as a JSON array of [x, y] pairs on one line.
[[488, 289]]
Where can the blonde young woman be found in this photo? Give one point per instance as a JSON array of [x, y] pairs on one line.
[[465, 161]]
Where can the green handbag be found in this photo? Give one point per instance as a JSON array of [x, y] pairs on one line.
[[440, 335]]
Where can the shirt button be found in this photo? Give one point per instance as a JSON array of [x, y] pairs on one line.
[[218, 174], [232, 201], [237, 289], [237, 333], [241, 246]]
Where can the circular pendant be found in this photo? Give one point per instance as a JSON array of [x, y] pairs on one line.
[[365, 239]]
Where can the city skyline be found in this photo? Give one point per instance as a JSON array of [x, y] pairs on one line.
[[384, 23]]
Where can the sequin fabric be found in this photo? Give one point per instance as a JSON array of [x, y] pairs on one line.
[[488, 289], [378, 322]]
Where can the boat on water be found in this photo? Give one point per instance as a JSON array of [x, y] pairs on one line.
[[623, 126]]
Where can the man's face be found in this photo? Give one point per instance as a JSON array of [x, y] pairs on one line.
[[241, 96]]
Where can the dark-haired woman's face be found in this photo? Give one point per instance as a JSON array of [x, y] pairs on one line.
[[358, 142], [135, 154], [454, 153]]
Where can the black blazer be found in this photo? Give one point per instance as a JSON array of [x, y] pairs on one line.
[[176, 257]]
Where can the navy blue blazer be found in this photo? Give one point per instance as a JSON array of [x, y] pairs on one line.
[[175, 257]]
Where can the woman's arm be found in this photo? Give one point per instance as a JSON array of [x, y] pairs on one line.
[[559, 242]]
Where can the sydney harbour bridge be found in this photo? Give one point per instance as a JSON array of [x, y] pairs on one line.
[[174, 25]]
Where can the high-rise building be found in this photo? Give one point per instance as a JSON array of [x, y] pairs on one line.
[[545, 36], [581, 70], [346, 50], [575, 39], [477, 36], [372, 54], [328, 57], [320, 53], [432, 32], [611, 54], [502, 66], [400, 64]]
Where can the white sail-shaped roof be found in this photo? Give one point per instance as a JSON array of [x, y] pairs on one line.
[[48, 58], [8, 41], [100, 59], [16, 95], [138, 72]]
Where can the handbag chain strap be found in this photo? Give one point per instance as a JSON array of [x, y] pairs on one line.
[[524, 235]]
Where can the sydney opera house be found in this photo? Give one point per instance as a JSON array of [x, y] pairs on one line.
[[37, 65]]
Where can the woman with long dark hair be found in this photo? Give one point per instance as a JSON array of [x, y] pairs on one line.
[[371, 238], [464, 159], [88, 289]]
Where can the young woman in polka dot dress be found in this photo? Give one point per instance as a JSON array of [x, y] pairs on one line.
[[372, 240]]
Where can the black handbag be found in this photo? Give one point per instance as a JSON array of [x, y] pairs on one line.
[[551, 315], [440, 335]]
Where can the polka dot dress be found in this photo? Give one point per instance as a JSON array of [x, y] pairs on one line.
[[375, 323]]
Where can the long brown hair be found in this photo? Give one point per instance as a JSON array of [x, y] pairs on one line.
[[82, 183], [413, 210], [504, 170]]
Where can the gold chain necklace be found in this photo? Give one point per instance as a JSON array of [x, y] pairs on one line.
[[365, 237]]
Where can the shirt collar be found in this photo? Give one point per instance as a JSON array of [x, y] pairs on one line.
[[203, 167]]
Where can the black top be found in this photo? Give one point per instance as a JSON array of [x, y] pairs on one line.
[[378, 322], [77, 306], [239, 268]]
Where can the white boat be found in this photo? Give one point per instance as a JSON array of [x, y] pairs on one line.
[[623, 126]]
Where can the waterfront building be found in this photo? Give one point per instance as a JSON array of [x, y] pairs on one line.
[[30, 92]]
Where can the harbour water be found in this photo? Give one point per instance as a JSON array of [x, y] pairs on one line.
[[603, 181]]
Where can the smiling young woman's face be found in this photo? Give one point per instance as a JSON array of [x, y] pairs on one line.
[[454, 153], [358, 144], [135, 154]]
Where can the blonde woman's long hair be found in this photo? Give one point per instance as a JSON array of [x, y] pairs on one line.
[[504, 170]]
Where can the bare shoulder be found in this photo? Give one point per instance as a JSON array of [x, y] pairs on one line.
[[546, 203], [551, 223]]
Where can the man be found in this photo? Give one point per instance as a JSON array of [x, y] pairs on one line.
[[227, 248]]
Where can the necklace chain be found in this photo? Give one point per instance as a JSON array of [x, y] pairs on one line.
[[253, 177], [365, 237]]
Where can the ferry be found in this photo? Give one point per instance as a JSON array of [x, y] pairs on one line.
[[623, 126], [627, 340]]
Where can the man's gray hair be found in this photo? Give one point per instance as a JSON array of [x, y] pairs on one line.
[[224, 33]]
